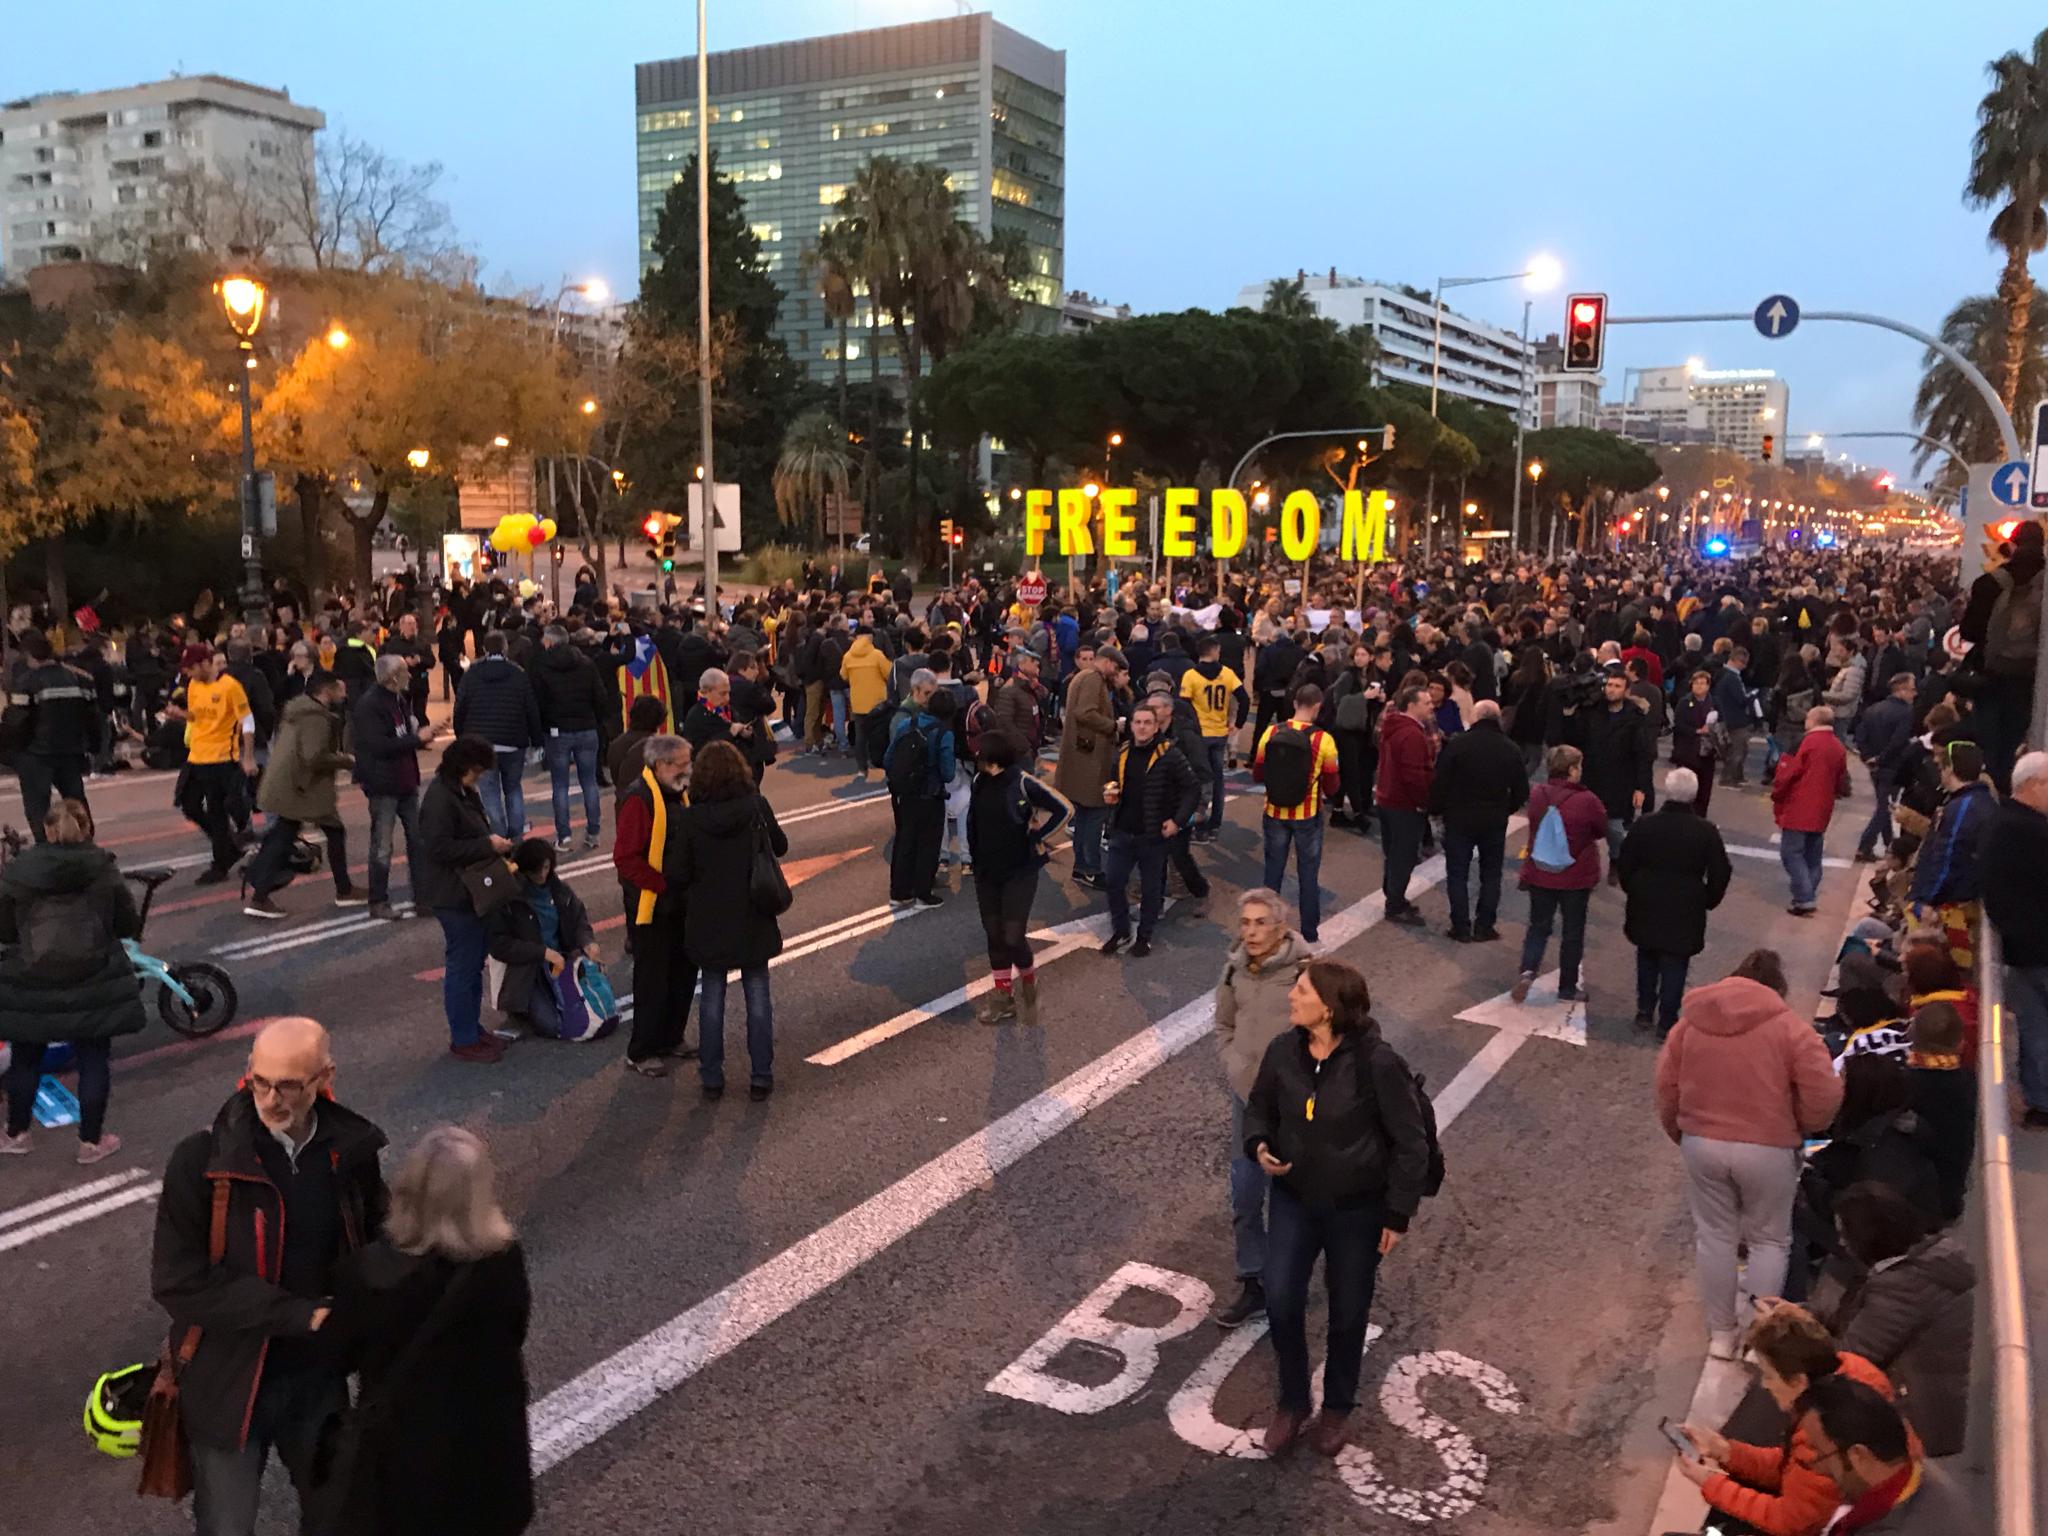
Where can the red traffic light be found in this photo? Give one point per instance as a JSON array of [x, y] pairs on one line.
[[653, 525], [1585, 332]]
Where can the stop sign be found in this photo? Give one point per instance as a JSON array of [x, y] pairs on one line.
[[1031, 590]]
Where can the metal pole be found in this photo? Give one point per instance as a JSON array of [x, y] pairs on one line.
[[710, 517], [1521, 414], [1436, 369], [252, 561]]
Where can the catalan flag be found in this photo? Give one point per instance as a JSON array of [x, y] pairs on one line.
[[643, 675]]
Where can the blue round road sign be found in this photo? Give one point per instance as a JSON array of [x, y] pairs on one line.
[[1777, 317], [2009, 483]]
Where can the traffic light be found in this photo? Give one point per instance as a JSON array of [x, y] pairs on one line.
[[959, 536], [668, 545], [1769, 440], [945, 530], [1585, 332], [653, 525]]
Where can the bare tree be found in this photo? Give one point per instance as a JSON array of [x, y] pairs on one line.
[[351, 207]]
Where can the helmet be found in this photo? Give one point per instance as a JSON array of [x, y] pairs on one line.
[[113, 1409]]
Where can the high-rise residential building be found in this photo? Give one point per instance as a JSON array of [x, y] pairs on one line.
[[89, 174], [1732, 408], [793, 123], [1481, 362]]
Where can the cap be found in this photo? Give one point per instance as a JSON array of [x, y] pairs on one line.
[[195, 656], [1111, 653]]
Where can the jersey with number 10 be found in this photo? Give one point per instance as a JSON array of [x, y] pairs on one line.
[[1211, 697]]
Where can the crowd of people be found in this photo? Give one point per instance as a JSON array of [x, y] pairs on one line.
[[1429, 705]]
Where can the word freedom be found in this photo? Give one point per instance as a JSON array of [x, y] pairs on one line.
[[1301, 523]]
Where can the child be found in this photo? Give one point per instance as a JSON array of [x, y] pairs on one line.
[[1941, 1090]]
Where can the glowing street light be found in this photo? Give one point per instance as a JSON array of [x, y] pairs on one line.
[[1471, 509], [1543, 273], [244, 299], [1536, 470], [1262, 500], [1091, 490], [1016, 493], [1116, 439], [590, 407], [501, 441], [338, 339], [418, 458]]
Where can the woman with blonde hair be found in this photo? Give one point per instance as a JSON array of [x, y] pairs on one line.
[[433, 1316]]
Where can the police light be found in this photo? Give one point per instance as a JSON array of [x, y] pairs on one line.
[[1825, 539], [1585, 332], [1717, 547]]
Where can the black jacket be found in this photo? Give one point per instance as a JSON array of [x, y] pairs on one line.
[[53, 710], [1277, 662], [702, 726], [514, 938], [449, 1451], [387, 744], [496, 702], [1883, 732], [1480, 780], [262, 701], [569, 692], [64, 910], [1001, 839], [1619, 751], [2012, 853], [714, 857], [239, 1305], [1674, 868], [1172, 792], [693, 653], [454, 835], [1366, 1143]]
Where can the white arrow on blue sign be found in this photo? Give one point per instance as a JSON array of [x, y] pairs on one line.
[[1777, 316], [2009, 483]]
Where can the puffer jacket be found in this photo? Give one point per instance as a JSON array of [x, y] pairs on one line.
[[1251, 1008], [64, 910], [1742, 1066], [567, 689], [1914, 1319], [298, 781], [1780, 1489], [496, 702]]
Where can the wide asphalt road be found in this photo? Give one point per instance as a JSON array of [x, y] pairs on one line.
[[953, 1279]]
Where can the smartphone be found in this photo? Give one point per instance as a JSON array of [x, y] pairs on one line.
[[1760, 1304], [1679, 1443]]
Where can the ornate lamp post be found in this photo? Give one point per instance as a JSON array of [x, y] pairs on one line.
[[245, 299]]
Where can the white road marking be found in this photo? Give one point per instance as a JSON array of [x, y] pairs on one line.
[[16, 1215], [591, 1405], [134, 1194], [1828, 862]]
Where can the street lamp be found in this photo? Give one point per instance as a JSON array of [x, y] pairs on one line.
[[590, 407], [1543, 273], [418, 458], [501, 441], [338, 339], [244, 299]]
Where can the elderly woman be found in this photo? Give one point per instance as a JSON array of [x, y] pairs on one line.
[[1252, 1011], [1335, 1120], [433, 1316], [456, 840], [1674, 870], [64, 910]]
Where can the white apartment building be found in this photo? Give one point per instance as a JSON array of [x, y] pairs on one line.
[[1480, 362], [84, 174], [1083, 312]]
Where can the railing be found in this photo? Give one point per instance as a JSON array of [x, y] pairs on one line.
[[2012, 1387]]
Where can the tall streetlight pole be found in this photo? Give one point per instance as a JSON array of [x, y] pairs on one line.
[[1542, 274], [1521, 419], [244, 298], [710, 518]]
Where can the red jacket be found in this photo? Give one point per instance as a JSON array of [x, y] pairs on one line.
[[1585, 829], [1803, 794], [1650, 662], [1407, 763]]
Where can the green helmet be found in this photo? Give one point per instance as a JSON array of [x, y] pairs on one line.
[[113, 1410]]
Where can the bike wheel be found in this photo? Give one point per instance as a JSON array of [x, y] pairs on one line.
[[213, 1000]]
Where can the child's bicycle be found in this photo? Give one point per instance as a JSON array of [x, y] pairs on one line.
[[194, 997]]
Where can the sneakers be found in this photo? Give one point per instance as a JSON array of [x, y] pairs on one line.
[[592, 843], [264, 907], [1089, 878], [933, 900], [1571, 994], [1645, 1022], [564, 844], [17, 1145], [383, 911], [351, 898], [1520, 991], [1027, 998], [90, 1152], [712, 1092], [484, 1051], [1250, 1303], [652, 1066], [996, 1007], [1460, 935], [1408, 916], [1328, 1434], [1115, 942], [1142, 947], [1283, 1432], [1485, 935], [212, 877], [759, 1092], [1799, 911]]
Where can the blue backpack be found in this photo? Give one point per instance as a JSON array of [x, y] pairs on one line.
[[1551, 849]]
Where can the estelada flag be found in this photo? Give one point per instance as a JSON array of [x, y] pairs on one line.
[[644, 675]]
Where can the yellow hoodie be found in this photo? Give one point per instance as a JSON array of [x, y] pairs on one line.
[[866, 671]]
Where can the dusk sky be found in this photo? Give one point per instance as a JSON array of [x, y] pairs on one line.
[[1680, 158]]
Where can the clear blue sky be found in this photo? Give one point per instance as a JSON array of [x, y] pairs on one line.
[[1679, 157]]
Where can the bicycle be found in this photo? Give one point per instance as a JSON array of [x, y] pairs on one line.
[[196, 998]]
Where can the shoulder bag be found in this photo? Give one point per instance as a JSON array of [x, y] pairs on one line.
[[766, 886], [491, 884], [165, 1451]]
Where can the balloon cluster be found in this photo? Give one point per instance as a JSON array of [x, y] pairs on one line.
[[521, 530]]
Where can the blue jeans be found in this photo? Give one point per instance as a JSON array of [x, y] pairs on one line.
[[1306, 839], [842, 705], [1213, 748], [1348, 1238], [711, 1027], [1492, 847], [1800, 853], [579, 748], [384, 810], [287, 1416], [1617, 830], [1544, 906], [1660, 985], [2027, 987], [1147, 855], [462, 976], [1248, 1186], [1089, 820], [95, 1086], [504, 794], [1879, 828]]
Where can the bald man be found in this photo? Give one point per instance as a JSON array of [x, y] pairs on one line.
[[255, 1214]]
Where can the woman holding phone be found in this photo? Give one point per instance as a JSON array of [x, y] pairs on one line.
[[1335, 1118]]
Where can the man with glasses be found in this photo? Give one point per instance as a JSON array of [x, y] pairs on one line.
[[1859, 1440], [255, 1215]]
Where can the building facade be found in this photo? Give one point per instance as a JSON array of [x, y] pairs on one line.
[[1084, 312], [1732, 408], [793, 123], [89, 175], [1481, 362]]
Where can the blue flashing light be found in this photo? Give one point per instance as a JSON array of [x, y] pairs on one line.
[[1825, 539], [1717, 547]]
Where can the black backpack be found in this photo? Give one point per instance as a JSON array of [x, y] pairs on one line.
[[908, 762], [1433, 1178], [64, 938], [1290, 765]]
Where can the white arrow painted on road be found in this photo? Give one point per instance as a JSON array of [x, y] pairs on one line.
[[1776, 315], [1544, 1014]]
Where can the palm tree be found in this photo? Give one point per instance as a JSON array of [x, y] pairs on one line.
[[836, 260], [1948, 406], [814, 464], [1287, 297], [2009, 171]]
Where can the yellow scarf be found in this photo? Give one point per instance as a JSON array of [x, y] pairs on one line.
[[657, 841]]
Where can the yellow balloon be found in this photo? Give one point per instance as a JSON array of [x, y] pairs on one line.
[[547, 527], [501, 540]]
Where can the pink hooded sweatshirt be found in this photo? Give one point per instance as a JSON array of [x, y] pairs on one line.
[[1742, 1066]]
